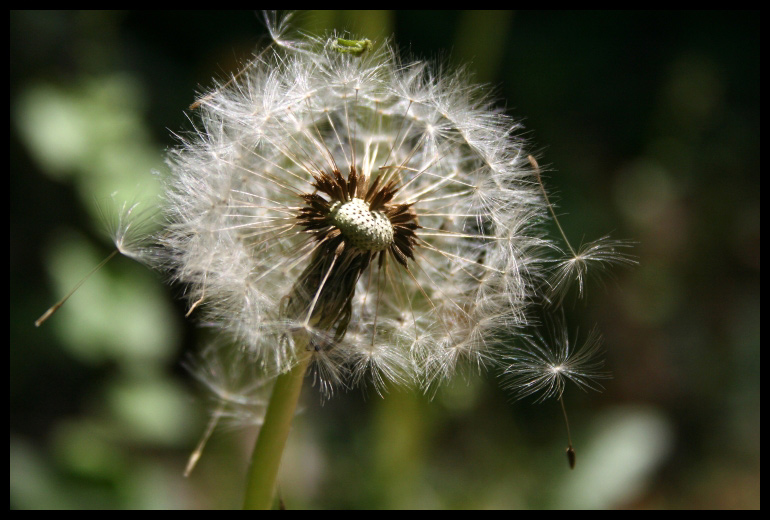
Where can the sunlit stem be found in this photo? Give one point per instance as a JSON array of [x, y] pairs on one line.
[[266, 459], [570, 449], [536, 167], [47, 314]]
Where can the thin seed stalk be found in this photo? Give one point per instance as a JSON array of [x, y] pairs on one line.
[[271, 441]]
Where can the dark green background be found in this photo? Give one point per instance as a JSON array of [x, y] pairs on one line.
[[649, 126]]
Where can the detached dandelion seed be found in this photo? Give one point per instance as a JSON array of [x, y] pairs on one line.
[[130, 229], [238, 392], [598, 255], [543, 366]]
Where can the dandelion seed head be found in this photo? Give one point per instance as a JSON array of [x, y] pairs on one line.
[[375, 211], [367, 230]]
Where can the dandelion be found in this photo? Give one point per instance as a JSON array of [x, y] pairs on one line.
[[373, 212], [339, 211]]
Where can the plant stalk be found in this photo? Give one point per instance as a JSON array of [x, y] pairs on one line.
[[271, 441]]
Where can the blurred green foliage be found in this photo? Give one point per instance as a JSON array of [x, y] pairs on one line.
[[649, 126]]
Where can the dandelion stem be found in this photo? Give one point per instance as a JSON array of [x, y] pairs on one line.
[[266, 459], [536, 167]]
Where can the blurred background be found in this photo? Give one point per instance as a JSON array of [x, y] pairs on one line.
[[648, 125]]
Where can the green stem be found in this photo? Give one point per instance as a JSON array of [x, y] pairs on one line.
[[266, 459]]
